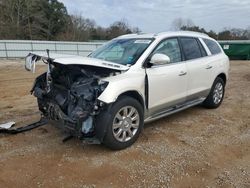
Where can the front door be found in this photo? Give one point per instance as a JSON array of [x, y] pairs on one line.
[[167, 83]]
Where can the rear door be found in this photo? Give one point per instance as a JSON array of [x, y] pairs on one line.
[[199, 69], [167, 83]]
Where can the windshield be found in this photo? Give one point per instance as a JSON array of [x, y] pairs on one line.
[[122, 51]]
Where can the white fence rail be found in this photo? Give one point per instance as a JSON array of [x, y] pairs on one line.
[[20, 48]]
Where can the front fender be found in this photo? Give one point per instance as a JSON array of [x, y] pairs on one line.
[[121, 84]]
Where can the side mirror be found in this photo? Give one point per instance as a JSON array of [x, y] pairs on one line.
[[159, 59], [30, 63]]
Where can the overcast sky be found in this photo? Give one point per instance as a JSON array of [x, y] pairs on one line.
[[157, 15]]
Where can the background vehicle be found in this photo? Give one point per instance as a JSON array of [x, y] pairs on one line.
[[131, 80]]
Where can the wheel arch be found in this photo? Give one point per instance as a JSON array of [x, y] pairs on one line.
[[134, 94], [223, 77]]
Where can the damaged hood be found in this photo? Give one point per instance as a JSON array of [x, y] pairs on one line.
[[78, 60]]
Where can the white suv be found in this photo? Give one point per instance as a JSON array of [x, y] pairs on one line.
[[109, 95]]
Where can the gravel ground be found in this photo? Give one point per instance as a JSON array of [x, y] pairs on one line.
[[194, 148]]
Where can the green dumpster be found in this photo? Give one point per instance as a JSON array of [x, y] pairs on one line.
[[236, 50]]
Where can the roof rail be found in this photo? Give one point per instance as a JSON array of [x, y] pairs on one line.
[[188, 32]]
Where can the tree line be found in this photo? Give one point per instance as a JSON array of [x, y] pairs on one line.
[[49, 20], [226, 34]]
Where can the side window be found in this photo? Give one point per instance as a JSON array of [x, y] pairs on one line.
[[191, 48], [212, 46], [203, 51], [170, 47]]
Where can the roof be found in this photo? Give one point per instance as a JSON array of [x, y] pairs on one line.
[[164, 34]]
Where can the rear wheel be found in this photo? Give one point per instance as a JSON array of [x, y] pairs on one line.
[[125, 123], [216, 95]]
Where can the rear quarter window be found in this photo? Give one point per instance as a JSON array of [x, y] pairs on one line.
[[212, 46]]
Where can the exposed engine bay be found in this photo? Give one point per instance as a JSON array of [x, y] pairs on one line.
[[68, 94]]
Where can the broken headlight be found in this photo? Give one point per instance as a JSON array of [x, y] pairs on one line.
[[103, 85]]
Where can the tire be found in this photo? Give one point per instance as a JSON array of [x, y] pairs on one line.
[[216, 95], [119, 122]]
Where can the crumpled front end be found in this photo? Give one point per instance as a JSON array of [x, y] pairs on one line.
[[69, 94]]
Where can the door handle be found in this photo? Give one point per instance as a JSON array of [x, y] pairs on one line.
[[209, 67], [182, 73]]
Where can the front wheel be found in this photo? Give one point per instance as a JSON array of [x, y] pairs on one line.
[[125, 123], [216, 95]]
